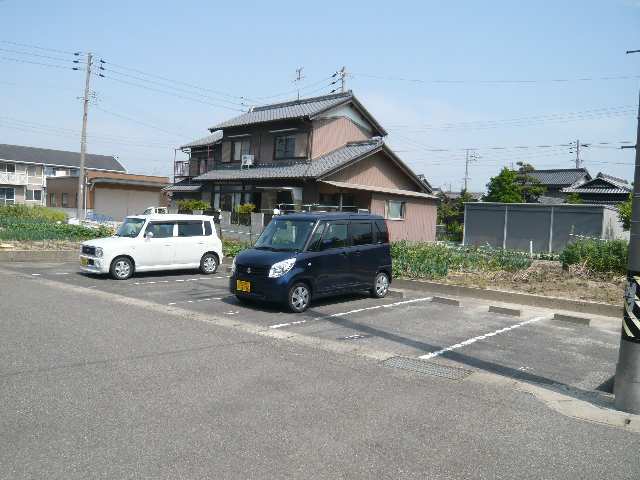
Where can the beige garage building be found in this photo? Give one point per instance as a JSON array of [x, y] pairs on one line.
[[109, 194]]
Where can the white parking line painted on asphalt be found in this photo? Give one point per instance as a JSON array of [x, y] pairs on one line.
[[35, 274], [357, 310], [61, 273], [210, 299], [481, 337]]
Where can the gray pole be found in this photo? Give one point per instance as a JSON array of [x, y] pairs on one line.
[[81, 212], [343, 78], [627, 380], [466, 170]]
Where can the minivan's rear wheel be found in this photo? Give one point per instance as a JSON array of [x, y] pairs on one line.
[[380, 285], [208, 263], [299, 297], [121, 268]]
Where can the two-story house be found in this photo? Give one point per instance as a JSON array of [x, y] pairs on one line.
[[24, 172], [322, 153]]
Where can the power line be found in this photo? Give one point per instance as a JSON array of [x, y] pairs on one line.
[[18, 52], [497, 81], [26, 45], [166, 92], [50, 65], [131, 119]]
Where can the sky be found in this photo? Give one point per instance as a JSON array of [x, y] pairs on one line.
[[441, 77]]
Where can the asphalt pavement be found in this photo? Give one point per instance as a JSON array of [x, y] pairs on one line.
[[106, 379]]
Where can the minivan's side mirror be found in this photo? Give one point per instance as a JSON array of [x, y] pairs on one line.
[[148, 235]]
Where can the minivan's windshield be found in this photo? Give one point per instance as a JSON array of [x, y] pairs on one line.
[[285, 235], [130, 228]]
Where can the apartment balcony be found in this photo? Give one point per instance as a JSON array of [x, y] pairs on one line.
[[8, 178]]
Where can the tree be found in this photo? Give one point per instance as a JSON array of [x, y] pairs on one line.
[[504, 188], [530, 186], [451, 214], [573, 198], [624, 212]]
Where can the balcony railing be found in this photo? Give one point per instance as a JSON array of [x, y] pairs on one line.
[[9, 178]]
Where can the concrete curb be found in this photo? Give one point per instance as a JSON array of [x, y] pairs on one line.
[[39, 256], [541, 301]]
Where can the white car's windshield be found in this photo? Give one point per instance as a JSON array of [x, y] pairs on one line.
[[130, 228], [285, 235]]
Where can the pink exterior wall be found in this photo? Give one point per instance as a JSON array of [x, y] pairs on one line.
[[376, 170], [331, 133], [419, 224]]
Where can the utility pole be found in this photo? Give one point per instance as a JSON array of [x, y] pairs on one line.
[[81, 212], [473, 157], [298, 78], [343, 79], [578, 153], [627, 381]]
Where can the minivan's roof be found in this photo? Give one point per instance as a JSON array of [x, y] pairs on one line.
[[329, 216], [171, 217]]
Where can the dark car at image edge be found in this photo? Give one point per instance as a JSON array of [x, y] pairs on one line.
[[305, 256]]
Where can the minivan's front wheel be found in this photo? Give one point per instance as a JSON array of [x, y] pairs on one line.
[[121, 268], [208, 263], [380, 285], [299, 297]]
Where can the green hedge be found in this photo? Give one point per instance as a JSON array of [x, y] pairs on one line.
[[230, 248], [603, 256], [32, 213], [32, 229], [435, 260]]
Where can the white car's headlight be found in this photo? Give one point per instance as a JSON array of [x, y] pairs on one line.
[[99, 252], [280, 268], [233, 266]]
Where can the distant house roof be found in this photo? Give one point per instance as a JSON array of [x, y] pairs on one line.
[[455, 195], [318, 168], [58, 158], [561, 177], [602, 184], [299, 109], [215, 137]]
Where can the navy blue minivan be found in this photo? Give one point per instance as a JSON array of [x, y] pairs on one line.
[[304, 256]]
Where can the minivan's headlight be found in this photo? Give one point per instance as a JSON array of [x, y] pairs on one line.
[[280, 268], [233, 266], [99, 252]]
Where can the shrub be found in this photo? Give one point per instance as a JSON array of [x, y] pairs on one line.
[[436, 260], [34, 229], [192, 204], [603, 256], [246, 208], [32, 212], [231, 248]]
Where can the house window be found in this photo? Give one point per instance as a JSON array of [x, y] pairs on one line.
[[285, 146], [7, 167], [7, 196], [52, 199], [33, 195], [396, 210], [65, 199], [239, 148], [32, 171]]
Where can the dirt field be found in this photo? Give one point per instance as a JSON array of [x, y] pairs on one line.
[[548, 278]]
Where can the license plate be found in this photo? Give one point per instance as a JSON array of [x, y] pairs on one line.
[[84, 261], [243, 286]]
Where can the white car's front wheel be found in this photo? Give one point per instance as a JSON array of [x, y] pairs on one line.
[[209, 263], [121, 268]]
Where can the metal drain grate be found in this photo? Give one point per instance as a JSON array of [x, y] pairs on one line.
[[427, 368]]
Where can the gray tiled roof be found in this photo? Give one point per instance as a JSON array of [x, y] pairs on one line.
[[306, 107], [559, 176], [308, 169], [60, 158], [603, 184], [208, 140]]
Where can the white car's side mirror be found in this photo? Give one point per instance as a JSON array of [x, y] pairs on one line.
[[148, 235]]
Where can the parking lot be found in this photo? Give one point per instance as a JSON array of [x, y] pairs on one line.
[[531, 347]]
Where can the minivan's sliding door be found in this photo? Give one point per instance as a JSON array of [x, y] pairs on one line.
[[331, 266]]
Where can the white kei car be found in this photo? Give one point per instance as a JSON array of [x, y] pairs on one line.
[[146, 243]]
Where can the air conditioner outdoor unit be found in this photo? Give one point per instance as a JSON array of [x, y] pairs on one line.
[[247, 161]]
